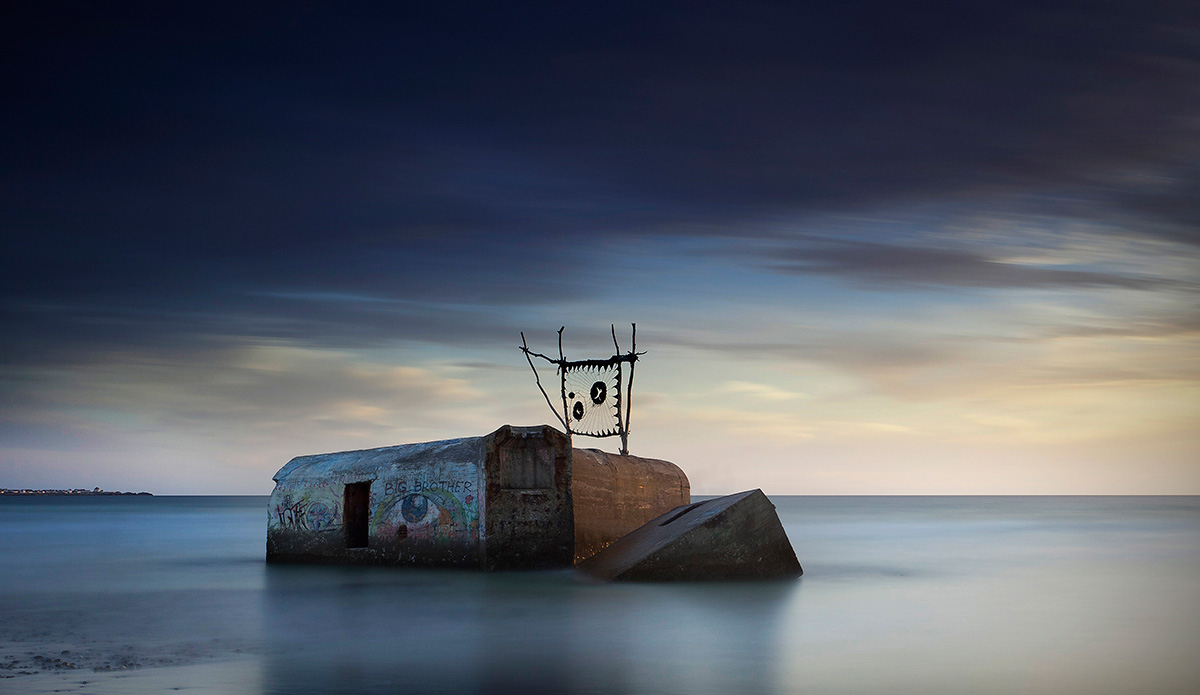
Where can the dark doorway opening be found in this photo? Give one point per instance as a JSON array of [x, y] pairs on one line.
[[355, 506]]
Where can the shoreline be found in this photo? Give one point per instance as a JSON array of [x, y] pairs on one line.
[[226, 675], [79, 492]]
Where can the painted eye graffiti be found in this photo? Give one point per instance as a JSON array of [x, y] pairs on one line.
[[432, 512], [418, 510], [414, 508], [577, 411]]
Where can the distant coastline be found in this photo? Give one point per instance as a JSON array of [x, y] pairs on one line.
[[78, 492]]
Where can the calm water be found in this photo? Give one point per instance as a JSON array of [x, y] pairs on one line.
[[900, 595]]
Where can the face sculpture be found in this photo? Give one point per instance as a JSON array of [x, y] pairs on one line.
[[593, 399]]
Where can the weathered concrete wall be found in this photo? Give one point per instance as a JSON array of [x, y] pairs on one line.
[[615, 494], [423, 506], [530, 520], [502, 501], [732, 537]]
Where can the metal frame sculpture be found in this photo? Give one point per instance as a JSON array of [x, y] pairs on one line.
[[592, 396]]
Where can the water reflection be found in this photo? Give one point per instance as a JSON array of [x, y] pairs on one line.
[[378, 630], [1035, 595]]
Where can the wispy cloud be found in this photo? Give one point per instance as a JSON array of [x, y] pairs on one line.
[[232, 393], [916, 266], [763, 392]]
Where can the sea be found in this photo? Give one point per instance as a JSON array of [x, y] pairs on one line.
[[955, 595]]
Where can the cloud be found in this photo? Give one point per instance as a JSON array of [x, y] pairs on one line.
[[883, 349], [75, 330], [1166, 200], [758, 391], [775, 425], [916, 266], [1146, 327], [240, 229], [234, 393], [435, 175]]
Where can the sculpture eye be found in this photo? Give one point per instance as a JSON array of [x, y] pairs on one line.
[[592, 399]]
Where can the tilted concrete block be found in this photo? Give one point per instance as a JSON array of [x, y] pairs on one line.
[[733, 537]]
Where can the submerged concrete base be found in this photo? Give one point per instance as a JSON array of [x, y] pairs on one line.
[[733, 537]]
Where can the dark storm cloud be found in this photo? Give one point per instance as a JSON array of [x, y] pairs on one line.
[[1167, 200], [180, 170], [77, 333]]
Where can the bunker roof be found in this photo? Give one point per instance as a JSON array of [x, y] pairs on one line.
[[370, 462]]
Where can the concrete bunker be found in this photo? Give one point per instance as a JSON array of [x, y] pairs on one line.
[[518, 498]]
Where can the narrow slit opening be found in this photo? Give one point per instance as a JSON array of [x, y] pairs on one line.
[[681, 513]]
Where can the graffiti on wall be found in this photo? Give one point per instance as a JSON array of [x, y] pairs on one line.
[[439, 505], [436, 510], [308, 515]]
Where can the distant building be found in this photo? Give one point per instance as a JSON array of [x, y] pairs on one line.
[[519, 497]]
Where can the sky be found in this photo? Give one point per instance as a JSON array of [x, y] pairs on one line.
[[870, 247]]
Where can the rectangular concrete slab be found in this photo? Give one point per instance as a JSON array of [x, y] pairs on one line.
[[738, 536]]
